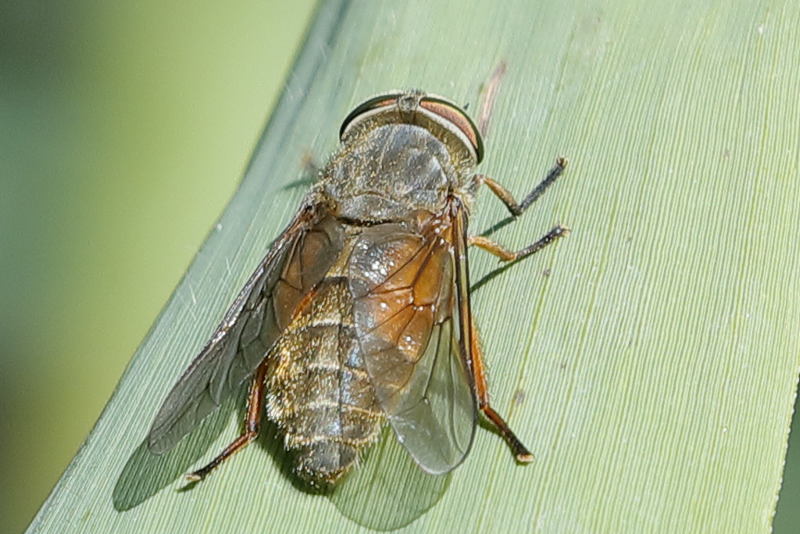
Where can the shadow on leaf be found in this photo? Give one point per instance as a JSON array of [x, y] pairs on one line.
[[385, 492], [145, 473], [388, 490]]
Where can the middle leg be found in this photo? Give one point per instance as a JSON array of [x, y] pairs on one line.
[[507, 255]]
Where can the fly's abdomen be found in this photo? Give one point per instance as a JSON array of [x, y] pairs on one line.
[[319, 391]]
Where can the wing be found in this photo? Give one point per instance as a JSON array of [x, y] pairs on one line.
[[293, 266], [404, 290]]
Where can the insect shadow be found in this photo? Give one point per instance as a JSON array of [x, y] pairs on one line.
[[146, 473], [491, 275], [386, 492], [389, 490], [494, 273]]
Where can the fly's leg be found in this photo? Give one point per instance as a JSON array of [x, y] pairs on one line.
[[255, 407], [506, 255], [311, 170], [520, 452], [516, 209]]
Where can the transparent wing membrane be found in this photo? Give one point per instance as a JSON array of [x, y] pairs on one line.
[[295, 263], [404, 292]]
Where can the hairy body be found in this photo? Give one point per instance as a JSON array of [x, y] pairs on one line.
[[359, 314], [319, 392]]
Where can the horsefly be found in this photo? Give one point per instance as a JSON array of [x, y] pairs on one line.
[[359, 315]]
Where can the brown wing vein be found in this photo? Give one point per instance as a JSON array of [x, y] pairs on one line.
[[251, 326], [416, 363]]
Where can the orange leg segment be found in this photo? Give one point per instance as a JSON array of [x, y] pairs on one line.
[[520, 452], [507, 255], [255, 408], [517, 208]]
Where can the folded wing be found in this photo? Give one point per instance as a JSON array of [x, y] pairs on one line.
[[293, 266], [404, 289]]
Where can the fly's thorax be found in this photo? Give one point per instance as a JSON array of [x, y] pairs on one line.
[[384, 173]]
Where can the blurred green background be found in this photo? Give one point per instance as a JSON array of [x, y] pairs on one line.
[[112, 114]]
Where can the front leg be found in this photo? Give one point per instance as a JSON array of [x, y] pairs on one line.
[[517, 208]]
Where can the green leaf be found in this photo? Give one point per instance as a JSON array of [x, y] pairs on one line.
[[649, 360]]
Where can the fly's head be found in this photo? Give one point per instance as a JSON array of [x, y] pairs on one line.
[[441, 117]]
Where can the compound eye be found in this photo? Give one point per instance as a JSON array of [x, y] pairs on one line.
[[373, 104], [458, 118]]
